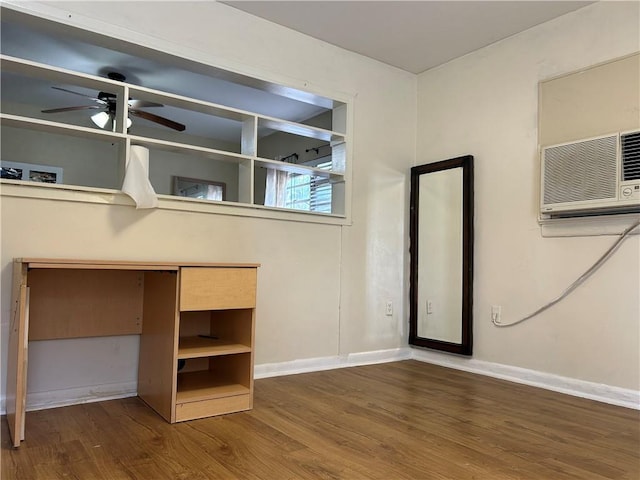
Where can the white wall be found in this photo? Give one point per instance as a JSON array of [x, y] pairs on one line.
[[485, 104], [321, 288]]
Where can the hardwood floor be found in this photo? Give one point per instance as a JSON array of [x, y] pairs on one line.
[[404, 420]]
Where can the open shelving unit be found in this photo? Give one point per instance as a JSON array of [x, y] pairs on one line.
[[215, 342], [251, 127]]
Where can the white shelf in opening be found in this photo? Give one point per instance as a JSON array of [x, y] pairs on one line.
[[299, 129], [186, 103], [9, 120], [300, 169], [177, 147], [56, 74]]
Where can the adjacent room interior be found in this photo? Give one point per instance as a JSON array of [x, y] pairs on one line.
[[220, 257]]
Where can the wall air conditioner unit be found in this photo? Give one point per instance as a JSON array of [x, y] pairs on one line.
[[591, 177]]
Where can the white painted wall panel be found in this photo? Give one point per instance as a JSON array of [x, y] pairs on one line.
[[485, 104]]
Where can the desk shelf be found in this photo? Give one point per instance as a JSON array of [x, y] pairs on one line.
[[193, 347], [204, 385]]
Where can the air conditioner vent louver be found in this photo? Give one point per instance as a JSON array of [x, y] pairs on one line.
[[581, 171], [630, 144]]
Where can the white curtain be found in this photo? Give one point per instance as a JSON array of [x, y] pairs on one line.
[[214, 192], [276, 189]]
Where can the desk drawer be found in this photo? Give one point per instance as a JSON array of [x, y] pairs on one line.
[[203, 288], [215, 406]]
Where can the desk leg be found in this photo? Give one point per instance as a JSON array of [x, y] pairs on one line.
[[16, 389]]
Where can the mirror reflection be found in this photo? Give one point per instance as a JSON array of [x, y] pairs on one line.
[[440, 264], [441, 232]]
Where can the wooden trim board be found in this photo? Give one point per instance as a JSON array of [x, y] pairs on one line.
[[16, 387], [122, 264]]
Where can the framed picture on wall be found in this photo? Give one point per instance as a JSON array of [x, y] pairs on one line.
[[30, 172]]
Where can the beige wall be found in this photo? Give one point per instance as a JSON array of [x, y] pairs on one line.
[[485, 104], [322, 288]]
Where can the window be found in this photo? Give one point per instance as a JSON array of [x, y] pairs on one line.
[[308, 192]]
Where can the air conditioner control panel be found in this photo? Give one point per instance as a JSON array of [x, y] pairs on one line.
[[630, 192]]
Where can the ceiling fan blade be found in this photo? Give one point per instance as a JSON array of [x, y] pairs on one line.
[[81, 94], [70, 109], [157, 119], [143, 104]]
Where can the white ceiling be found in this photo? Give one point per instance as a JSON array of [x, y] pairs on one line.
[[415, 35]]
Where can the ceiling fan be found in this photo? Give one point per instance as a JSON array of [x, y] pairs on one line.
[[107, 105]]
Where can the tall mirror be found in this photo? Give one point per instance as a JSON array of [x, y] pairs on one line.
[[441, 234]]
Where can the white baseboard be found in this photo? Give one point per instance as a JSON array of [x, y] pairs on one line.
[[579, 388], [571, 386], [306, 365], [74, 396]]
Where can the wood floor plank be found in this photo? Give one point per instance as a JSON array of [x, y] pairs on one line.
[[402, 420], [362, 436]]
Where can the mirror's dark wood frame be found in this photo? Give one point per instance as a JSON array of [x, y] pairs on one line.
[[466, 346]]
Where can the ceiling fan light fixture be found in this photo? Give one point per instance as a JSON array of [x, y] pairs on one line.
[[100, 119], [108, 105]]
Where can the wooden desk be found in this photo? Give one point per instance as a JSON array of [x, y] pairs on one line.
[[201, 316]]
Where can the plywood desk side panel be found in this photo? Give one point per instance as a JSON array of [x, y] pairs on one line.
[[157, 369]]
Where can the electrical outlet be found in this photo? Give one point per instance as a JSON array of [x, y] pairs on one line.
[[389, 308], [496, 313], [429, 307]]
